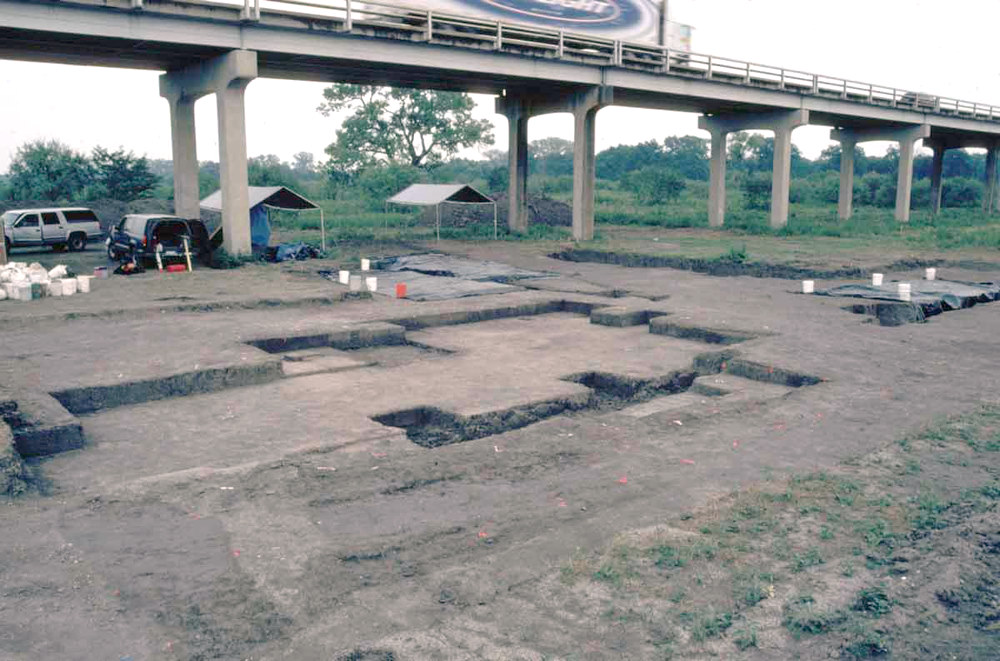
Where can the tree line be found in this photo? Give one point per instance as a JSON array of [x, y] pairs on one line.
[[391, 138]]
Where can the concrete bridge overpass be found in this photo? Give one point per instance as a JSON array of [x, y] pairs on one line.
[[220, 46]]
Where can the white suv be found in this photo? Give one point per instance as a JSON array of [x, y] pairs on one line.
[[59, 228]]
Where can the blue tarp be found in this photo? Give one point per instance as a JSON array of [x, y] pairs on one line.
[[260, 229]]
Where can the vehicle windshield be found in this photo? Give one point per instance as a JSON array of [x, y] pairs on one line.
[[9, 218]]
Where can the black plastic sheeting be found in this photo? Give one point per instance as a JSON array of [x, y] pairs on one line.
[[934, 296], [458, 267]]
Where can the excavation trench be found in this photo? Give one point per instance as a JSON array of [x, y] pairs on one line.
[[431, 427]]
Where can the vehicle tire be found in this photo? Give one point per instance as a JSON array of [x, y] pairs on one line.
[[77, 242], [112, 253]]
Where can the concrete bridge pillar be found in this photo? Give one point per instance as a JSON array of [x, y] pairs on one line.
[[185, 156], [990, 179], [845, 202], [906, 137], [583, 105], [717, 180], [226, 76], [782, 123], [938, 147], [517, 162]]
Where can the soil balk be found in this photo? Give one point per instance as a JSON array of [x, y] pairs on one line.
[[717, 266]]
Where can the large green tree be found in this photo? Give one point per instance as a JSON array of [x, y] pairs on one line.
[[48, 170], [405, 126], [122, 175]]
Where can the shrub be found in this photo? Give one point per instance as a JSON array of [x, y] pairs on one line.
[[654, 185], [756, 189]]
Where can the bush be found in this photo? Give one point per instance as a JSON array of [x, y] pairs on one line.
[[961, 192], [756, 189], [654, 185], [223, 260]]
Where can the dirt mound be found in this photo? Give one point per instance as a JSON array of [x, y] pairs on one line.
[[541, 210], [13, 478], [109, 211]]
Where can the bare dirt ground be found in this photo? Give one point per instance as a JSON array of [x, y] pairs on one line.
[[588, 491]]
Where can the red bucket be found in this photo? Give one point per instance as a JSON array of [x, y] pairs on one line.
[[400, 290]]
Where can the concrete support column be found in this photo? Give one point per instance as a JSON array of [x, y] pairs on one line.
[[781, 179], [845, 202], [584, 106], [782, 122], [517, 158], [937, 172], [185, 157], [717, 180], [990, 184], [907, 137], [226, 76], [584, 172], [904, 182], [233, 176]]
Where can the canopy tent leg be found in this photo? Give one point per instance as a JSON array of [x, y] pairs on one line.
[[322, 230], [494, 221], [438, 222]]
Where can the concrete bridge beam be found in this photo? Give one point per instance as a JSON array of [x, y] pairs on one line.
[[226, 76], [782, 123], [906, 137], [990, 179], [845, 202]]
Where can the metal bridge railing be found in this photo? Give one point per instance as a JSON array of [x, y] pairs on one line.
[[392, 20]]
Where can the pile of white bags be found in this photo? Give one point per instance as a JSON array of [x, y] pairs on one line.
[[29, 282]]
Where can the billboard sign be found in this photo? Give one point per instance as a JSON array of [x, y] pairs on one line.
[[630, 20]]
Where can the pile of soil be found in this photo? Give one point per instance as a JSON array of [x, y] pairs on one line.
[[108, 211], [13, 477], [541, 210]]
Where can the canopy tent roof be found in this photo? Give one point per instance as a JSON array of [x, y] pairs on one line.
[[434, 194], [272, 196]]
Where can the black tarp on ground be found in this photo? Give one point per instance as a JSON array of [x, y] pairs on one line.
[[927, 298]]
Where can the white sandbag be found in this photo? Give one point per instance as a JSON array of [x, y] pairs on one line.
[[58, 272], [3, 295]]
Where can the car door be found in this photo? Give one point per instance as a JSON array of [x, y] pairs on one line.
[[28, 230], [53, 231]]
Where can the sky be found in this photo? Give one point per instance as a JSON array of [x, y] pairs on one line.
[[938, 47]]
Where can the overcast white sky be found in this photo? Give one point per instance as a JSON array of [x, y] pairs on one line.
[[942, 47]]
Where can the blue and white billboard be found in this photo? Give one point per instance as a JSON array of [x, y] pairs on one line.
[[630, 20]]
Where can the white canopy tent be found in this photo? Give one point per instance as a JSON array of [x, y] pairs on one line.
[[434, 195], [277, 197]]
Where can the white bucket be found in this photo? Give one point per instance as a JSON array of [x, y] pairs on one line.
[[355, 283], [69, 286], [904, 291], [83, 284], [3, 295], [366, 265], [55, 288], [345, 277], [877, 279], [808, 286], [930, 274], [23, 291], [371, 284], [10, 289]]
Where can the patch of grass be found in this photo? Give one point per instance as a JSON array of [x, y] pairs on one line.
[[802, 618], [873, 602], [745, 637], [802, 561], [668, 557], [867, 644], [609, 573], [711, 626]]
